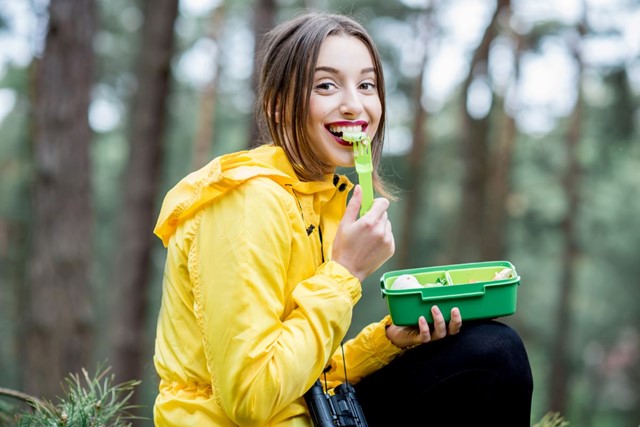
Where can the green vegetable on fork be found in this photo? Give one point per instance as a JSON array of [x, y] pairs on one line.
[[364, 166]]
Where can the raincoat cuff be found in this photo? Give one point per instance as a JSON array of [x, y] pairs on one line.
[[383, 349], [343, 278]]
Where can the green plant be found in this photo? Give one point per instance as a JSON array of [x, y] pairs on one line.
[[13, 404], [87, 402], [552, 419]]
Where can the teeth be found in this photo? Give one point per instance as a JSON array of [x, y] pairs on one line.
[[337, 129]]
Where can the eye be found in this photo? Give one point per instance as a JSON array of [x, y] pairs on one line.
[[367, 86], [325, 86]]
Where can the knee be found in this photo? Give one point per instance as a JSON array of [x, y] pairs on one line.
[[499, 348]]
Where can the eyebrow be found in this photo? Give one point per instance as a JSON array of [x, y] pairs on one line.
[[335, 71]]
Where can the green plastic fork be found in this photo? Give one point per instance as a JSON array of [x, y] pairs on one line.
[[364, 166]]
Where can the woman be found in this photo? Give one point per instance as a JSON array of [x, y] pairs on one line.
[[265, 258]]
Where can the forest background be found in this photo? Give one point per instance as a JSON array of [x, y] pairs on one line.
[[513, 134]]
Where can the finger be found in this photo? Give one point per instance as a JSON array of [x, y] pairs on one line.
[[425, 333], [391, 239], [353, 208], [378, 209], [439, 325], [388, 231], [456, 321], [381, 224]]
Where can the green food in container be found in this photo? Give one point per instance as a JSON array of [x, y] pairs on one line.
[[481, 290]]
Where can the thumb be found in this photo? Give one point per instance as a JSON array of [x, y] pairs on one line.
[[353, 208]]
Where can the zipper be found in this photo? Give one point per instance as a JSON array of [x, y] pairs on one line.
[[311, 227]]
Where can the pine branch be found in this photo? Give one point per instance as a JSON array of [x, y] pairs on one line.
[[87, 402], [13, 403], [7, 392], [552, 419]]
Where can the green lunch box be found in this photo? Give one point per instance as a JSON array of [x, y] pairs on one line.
[[470, 287]]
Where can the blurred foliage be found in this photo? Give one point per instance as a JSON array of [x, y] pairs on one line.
[[605, 386], [11, 409]]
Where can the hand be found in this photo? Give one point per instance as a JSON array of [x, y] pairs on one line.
[[363, 244], [409, 336]]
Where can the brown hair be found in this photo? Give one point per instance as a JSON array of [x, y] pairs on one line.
[[290, 52]]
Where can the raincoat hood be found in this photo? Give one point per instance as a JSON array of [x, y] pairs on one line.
[[223, 173]]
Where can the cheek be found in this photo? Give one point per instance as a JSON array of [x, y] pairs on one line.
[[374, 111], [318, 109], [376, 108]]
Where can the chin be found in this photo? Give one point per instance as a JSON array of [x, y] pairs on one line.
[[345, 164]]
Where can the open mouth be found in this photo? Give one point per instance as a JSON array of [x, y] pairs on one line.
[[338, 131]]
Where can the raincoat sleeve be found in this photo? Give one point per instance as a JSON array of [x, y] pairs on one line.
[[369, 351], [260, 359]]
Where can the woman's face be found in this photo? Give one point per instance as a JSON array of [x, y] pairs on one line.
[[343, 97]]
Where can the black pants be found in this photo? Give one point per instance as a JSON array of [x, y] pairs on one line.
[[478, 377]]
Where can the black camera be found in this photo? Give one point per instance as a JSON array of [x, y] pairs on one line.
[[339, 409]]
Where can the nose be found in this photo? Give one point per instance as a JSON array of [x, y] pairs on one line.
[[351, 105]]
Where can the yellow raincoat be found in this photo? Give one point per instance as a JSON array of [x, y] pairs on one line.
[[253, 308]]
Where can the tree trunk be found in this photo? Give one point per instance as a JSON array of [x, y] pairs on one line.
[[14, 236], [495, 229], [495, 232], [263, 21], [59, 316], [207, 111], [415, 159], [558, 395], [128, 336], [467, 244]]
